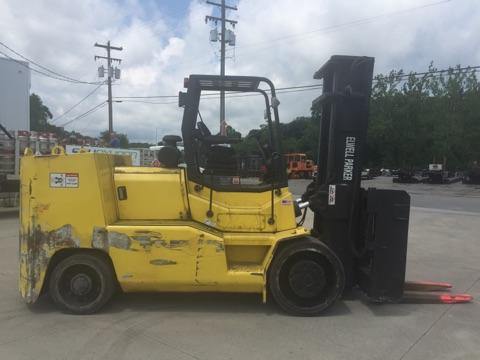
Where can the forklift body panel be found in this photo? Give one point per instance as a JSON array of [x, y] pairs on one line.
[[150, 224]]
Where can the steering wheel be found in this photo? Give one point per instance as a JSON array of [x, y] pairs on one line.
[[268, 157], [204, 131], [263, 151]]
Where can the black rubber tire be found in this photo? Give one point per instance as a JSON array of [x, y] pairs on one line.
[[101, 286], [314, 258]]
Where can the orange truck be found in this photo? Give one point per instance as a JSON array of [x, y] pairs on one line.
[[298, 166]]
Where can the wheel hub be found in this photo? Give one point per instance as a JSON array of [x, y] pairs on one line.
[[307, 278], [81, 284]]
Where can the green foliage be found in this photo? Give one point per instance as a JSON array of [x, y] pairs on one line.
[[231, 132], [139, 145], [123, 141], [39, 114], [432, 118], [300, 135]]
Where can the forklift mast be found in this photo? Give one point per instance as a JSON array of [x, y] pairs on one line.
[[366, 229]]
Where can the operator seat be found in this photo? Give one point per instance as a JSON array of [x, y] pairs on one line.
[[169, 155], [219, 160]]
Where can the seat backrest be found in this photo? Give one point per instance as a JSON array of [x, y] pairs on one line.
[[169, 156], [221, 160]]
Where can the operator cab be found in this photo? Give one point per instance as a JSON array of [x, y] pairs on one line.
[[230, 162]]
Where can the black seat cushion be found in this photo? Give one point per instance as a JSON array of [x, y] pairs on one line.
[[169, 156], [221, 160]]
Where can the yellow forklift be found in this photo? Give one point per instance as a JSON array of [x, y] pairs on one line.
[[92, 224]]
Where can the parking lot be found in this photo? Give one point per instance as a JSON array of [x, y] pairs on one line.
[[444, 245]]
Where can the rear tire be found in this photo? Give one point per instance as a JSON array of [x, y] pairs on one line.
[[306, 277], [82, 284]]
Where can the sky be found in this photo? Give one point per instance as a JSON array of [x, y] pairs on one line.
[[166, 40]]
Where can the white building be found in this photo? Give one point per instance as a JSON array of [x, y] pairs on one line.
[[14, 94]]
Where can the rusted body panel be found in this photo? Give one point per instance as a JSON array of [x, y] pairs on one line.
[[61, 202], [36, 248]]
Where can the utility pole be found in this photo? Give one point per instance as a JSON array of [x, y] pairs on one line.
[[225, 37], [110, 74]]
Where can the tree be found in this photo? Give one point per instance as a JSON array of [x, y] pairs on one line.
[[414, 120], [139, 145], [431, 118], [39, 114], [231, 132]]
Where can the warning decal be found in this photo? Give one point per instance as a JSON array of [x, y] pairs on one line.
[[71, 180], [64, 180], [331, 194]]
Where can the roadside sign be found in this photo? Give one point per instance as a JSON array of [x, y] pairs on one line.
[[134, 154]]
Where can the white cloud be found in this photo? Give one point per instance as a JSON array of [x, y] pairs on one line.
[[158, 52]]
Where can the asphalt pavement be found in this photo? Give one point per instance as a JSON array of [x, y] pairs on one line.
[[444, 245], [456, 197]]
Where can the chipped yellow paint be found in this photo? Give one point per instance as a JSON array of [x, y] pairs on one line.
[[45, 209], [159, 238]]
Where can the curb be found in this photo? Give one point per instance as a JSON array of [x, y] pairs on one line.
[[9, 212]]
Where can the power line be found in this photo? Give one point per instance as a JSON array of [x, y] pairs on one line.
[[176, 96], [327, 29], [150, 102], [434, 73], [361, 21], [35, 71], [146, 97], [21, 63], [284, 90], [228, 95], [295, 90], [78, 103], [86, 113], [56, 76], [332, 28]]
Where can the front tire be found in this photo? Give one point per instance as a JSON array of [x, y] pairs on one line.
[[306, 277], [82, 284]]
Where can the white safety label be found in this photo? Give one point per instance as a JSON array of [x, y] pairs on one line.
[[349, 158], [64, 180], [331, 194], [71, 180]]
